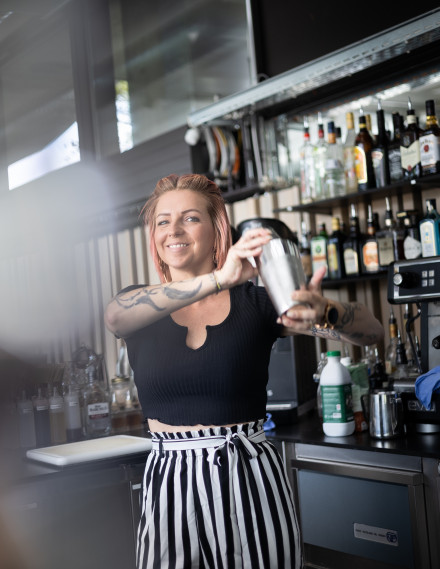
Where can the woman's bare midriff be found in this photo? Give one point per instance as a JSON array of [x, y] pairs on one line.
[[158, 427]]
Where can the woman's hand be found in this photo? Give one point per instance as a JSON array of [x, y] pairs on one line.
[[311, 311], [237, 268]]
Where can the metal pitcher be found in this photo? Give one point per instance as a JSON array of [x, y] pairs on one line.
[[384, 413]]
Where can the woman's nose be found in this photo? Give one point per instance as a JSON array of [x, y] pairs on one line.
[[174, 228]]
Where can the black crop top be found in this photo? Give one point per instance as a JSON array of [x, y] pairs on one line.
[[223, 381]]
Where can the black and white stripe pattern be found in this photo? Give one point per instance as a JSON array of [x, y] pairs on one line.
[[232, 513]]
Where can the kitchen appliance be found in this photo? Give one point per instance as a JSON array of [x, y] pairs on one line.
[[418, 281]]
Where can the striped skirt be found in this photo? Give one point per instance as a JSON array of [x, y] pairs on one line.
[[217, 499]]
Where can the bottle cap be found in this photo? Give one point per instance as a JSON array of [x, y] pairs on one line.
[[334, 353]]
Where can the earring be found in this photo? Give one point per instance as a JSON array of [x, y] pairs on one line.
[[163, 268]]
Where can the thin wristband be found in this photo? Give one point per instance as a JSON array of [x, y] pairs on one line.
[[218, 285]]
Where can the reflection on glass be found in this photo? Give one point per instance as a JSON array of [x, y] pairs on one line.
[[39, 107], [174, 57]]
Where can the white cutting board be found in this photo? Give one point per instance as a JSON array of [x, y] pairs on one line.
[[94, 449]]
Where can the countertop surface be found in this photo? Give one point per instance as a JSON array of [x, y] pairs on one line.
[[16, 468]]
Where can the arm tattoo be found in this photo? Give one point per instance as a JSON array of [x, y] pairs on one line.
[[146, 296], [346, 319]]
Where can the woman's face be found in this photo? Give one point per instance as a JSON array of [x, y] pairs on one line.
[[184, 232]]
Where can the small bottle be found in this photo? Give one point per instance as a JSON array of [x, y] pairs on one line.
[[430, 142], [26, 422], [335, 251], [430, 230], [351, 183], [42, 419], [319, 158], [57, 418], [305, 251], [363, 159], [378, 378], [307, 166], [410, 146], [318, 247], [360, 386], [412, 245], [337, 406], [334, 180], [72, 411], [379, 152], [352, 246], [370, 257], [394, 155], [97, 408]]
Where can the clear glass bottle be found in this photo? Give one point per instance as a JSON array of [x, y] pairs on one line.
[[97, 407], [26, 422], [334, 178], [307, 167], [319, 159], [42, 419], [57, 418], [352, 245], [379, 153]]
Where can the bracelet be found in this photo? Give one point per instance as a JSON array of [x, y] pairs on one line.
[[218, 285], [330, 317]]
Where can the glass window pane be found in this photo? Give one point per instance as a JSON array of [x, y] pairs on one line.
[[173, 57], [39, 107]]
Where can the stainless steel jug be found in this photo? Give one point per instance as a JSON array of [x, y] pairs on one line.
[[384, 414], [281, 271]]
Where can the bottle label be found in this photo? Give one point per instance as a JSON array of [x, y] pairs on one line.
[[410, 156], [412, 248], [360, 161], [429, 152], [351, 262], [428, 239], [395, 164], [97, 411], [370, 257], [337, 404], [385, 249], [319, 253], [332, 254]]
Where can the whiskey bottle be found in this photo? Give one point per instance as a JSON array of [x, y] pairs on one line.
[[363, 159], [430, 230], [430, 142], [318, 247], [349, 155], [335, 252], [410, 146], [379, 153], [352, 246], [394, 156], [370, 258]]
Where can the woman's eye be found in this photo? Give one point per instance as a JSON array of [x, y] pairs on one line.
[[192, 218], [163, 222]]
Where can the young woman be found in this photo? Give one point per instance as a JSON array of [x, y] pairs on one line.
[[215, 492]]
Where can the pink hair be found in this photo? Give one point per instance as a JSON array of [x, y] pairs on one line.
[[216, 209]]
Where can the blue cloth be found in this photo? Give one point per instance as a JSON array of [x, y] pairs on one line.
[[426, 385]]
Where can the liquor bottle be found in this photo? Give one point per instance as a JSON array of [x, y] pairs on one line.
[[379, 153], [349, 155], [430, 230], [389, 239], [410, 146], [307, 167], [26, 422], [390, 352], [401, 371], [57, 418], [305, 251], [352, 246], [42, 419], [334, 178], [394, 155], [318, 247], [378, 377], [412, 246], [430, 142], [72, 412], [370, 258], [97, 407], [335, 251], [363, 160], [319, 158]]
